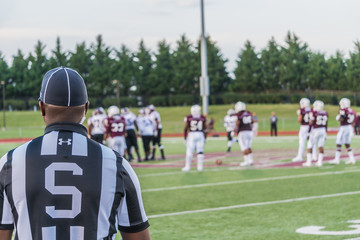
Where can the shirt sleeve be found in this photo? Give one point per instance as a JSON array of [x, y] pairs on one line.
[[6, 217], [131, 214]]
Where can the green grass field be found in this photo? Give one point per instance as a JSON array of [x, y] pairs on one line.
[[261, 202], [27, 124]]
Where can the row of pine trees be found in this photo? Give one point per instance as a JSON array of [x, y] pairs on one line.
[[173, 70]]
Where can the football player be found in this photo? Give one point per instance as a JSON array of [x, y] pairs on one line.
[[245, 134], [229, 124], [318, 123], [346, 118], [131, 139], [115, 130], [96, 128], [155, 117], [195, 132], [146, 131], [304, 119]]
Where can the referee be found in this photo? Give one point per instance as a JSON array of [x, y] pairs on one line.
[[63, 185]]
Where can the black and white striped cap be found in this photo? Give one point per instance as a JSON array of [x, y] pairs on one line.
[[63, 86]]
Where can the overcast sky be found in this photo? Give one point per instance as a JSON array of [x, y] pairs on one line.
[[326, 25]]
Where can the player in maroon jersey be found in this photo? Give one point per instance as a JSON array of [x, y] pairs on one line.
[[346, 118], [195, 134], [317, 130], [303, 119], [245, 133], [116, 130]]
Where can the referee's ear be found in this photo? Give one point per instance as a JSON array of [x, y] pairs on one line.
[[87, 104], [42, 108]]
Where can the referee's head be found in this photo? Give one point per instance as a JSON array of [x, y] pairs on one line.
[[63, 96]]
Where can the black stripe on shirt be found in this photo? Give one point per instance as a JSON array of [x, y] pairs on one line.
[[133, 206], [6, 189]]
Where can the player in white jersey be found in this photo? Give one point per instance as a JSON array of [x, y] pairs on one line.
[[146, 131], [194, 134], [229, 124], [346, 118], [96, 128], [131, 139], [155, 117], [318, 124]]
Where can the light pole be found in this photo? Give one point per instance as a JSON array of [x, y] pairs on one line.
[[204, 79], [3, 100], [116, 82]]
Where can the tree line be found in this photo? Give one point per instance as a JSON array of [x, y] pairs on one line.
[[171, 74]]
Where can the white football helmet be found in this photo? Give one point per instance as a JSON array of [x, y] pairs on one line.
[[141, 112], [113, 110], [195, 110], [240, 106], [318, 105], [101, 110], [125, 110], [230, 112], [151, 107], [344, 103], [304, 103]]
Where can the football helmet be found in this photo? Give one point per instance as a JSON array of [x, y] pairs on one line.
[[230, 112], [141, 112], [304, 103], [318, 105], [240, 106], [101, 110], [344, 103], [113, 110], [125, 110], [151, 107], [195, 110]]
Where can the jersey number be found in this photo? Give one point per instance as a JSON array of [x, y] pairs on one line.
[[117, 127], [196, 125], [306, 118], [76, 232], [350, 118], [321, 120], [246, 120]]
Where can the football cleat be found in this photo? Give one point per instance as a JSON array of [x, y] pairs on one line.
[[185, 169], [350, 161], [245, 164], [297, 159], [307, 164], [335, 161], [318, 164]]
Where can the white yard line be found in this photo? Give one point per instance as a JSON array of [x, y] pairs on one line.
[[178, 172], [250, 180], [256, 204]]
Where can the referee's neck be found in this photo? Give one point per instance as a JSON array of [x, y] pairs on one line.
[[52, 114]]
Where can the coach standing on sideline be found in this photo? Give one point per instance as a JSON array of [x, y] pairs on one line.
[[63, 185], [273, 124]]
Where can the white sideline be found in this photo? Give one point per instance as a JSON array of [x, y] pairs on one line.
[[250, 180], [255, 204]]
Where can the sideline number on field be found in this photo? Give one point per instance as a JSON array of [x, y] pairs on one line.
[[318, 230]]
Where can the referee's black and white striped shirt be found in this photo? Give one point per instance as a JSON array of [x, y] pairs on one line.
[[63, 185]]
